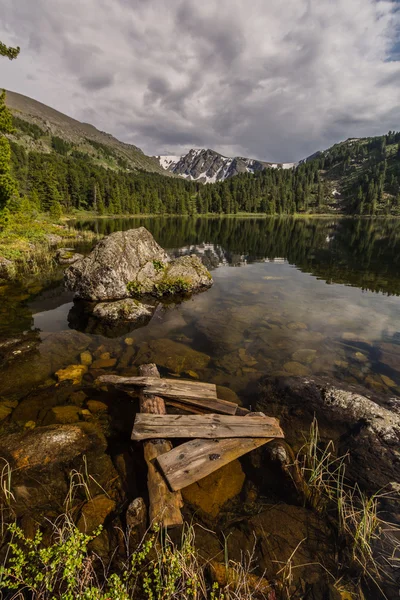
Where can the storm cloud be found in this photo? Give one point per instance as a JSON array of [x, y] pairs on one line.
[[267, 79]]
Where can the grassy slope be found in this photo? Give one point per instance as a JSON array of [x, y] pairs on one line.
[[54, 123]]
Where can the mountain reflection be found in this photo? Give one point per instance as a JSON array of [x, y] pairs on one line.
[[364, 253]]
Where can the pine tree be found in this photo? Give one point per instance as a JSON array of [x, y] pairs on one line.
[[9, 51]]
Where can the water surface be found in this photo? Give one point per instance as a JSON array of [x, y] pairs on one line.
[[290, 296]]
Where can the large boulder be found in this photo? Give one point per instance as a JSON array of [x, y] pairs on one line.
[[44, 459], [358, 421], [131, 264]]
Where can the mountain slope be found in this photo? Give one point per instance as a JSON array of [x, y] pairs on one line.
[[40, 128], [208, 166]]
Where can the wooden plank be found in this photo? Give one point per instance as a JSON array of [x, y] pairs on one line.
[[165, 506], [195, 459], [204, 426], [195, 393]]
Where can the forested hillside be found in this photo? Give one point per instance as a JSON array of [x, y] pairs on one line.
[[44, 129], [61, 170]]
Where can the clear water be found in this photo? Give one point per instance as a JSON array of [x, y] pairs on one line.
[[301, 297]]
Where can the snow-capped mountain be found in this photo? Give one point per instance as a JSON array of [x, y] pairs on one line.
[[208, 166]]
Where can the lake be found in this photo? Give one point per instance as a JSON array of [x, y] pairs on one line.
[[290, 296]]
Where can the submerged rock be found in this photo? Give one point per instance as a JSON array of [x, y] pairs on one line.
[[211, 493], [42, 460], [294, 535], [131, 263], [124, 310], [68, 256], [171, 355], [356, 419], [42, 360], [72, 373]]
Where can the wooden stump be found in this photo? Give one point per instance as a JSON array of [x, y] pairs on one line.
[[164, 505]]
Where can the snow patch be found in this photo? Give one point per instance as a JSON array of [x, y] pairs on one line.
[[168, 161]]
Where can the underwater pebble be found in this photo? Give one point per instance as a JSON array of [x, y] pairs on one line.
[[296, 368], [72, 373], [86, 358]]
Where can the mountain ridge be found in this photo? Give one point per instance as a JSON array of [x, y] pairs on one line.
[[49, 123], [208, 166]]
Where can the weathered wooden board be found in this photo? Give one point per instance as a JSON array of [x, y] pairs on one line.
[[188, 392], [204, 426], [195, 459], [165, 506]]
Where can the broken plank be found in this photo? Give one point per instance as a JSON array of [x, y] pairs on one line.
[[204, 426], [196, 459], [165, 506], [195, 393]]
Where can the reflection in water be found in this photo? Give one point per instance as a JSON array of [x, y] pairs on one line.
[[360, 252], [271, 314]]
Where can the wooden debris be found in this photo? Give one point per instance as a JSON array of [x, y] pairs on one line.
[[188, 392], [164, 505], [195, 459], [204, 426]]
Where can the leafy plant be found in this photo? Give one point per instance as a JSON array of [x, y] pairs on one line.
[[134, 288], [158, 266], [178, 285]]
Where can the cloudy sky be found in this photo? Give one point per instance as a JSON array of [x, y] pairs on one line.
[[271, 79]]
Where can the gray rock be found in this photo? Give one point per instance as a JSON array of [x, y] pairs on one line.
[[123, 310], [53, 239], [68, 256], [43, 459], [7, 269], [187, 272], [357, 421], [131, 263], [122, 258]]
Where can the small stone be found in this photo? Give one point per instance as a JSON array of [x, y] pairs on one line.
[[129, 341], [360, 357], [341, 364], [86, 358], [105, 356], [305, 355], [375, 383], [193, 374], [97, 353], [86, 414], [95, 512], [5, 412], [296, 368], [95, 406], [77, 398], [62, 415], [387, 381], [30, 425], [104, 363], [72, 373], [136, 517]]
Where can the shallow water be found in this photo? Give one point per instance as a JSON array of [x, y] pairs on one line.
[[290, 296]]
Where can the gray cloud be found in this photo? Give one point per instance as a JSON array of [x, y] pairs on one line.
[[272, 80]]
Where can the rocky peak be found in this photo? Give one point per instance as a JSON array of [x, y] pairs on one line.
[[208, 166]]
